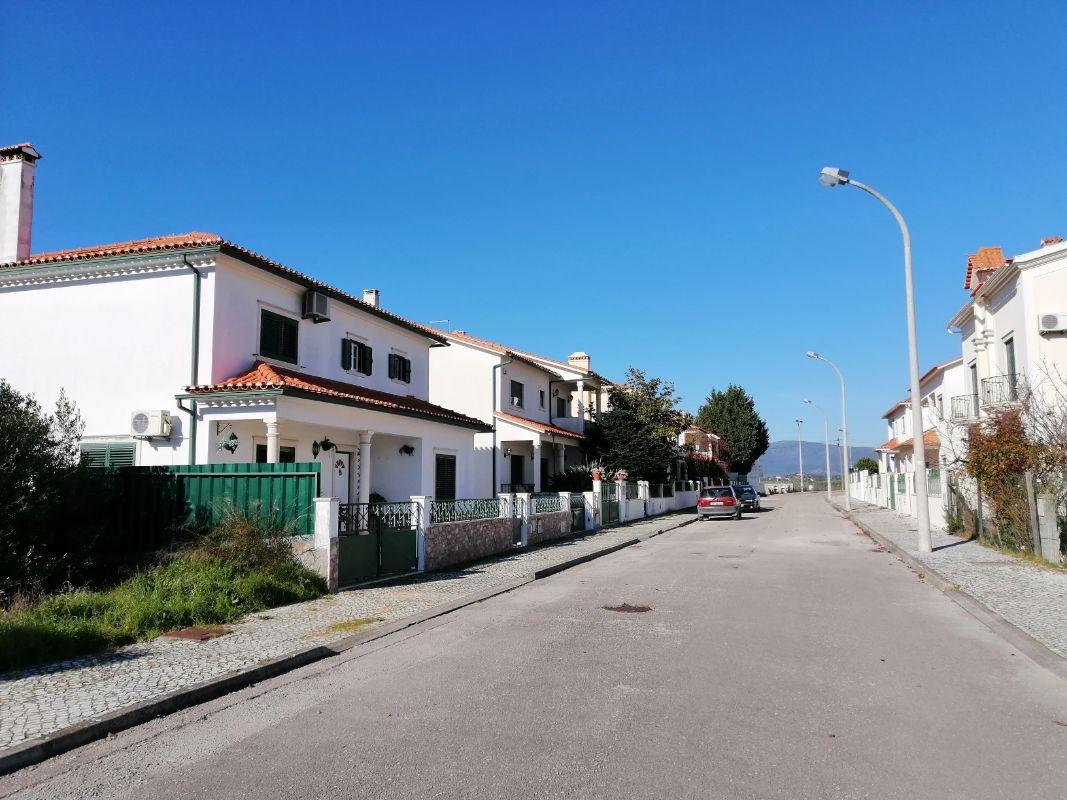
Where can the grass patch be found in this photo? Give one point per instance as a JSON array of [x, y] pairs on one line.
[[241, 566], [1023, 555]]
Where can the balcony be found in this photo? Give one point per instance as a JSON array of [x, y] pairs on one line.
[[1000, 390], [572, 424], [965, 408]]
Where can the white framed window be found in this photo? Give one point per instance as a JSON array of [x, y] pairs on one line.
[[399, 367], [356, 355]]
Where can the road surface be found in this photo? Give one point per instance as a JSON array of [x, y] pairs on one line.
[[783, 656]]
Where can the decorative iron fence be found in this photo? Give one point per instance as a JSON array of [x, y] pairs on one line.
[[632, 491], [512, 488], [1000, 389], [464, 510], [655, 490], [679, 486], [902, 483], [668, 490], [933, 481], [359, 517], [543, 503], [577, 501]]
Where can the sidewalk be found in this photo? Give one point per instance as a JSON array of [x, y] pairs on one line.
[[1032, 598], [40, 701]]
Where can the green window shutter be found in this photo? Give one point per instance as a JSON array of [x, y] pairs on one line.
[[94, 455], [393, 365], [346, 353], [278, 337], [368, 360], [109, 455], [121, 455], [444, 477], [407, 370]]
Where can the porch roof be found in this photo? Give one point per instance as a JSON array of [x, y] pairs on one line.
[[539, 427], [266, 377]]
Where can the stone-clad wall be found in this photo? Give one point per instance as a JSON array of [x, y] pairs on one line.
[[548, 526], [451, 543]]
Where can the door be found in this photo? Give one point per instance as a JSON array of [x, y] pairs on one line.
[[342, 475], [517, 468]]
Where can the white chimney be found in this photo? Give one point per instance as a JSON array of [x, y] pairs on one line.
[[17, 165], [579, 360], [372, 297]]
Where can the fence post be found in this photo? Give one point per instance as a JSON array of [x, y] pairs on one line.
[[421, 512], [1048, 529], [592, 508], [327, 513], [1035, 525], [523, 501]]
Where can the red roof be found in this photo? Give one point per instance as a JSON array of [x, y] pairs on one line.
[[986, 258], [266, 376], [930, 439], [198, 239], [522, 355], [890, 445], [540, 427]]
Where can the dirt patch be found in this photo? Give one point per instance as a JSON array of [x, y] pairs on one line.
[[198, 634], [626, 608], [348, 626]]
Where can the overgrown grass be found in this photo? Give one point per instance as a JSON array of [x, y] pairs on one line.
[[1024, 555], [242, 565]]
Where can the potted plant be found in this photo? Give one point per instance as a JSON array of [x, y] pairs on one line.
[[622, 475], [597, 469]]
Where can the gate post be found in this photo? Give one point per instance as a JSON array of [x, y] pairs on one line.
[[522, 501], [420, 512], [327, 512]]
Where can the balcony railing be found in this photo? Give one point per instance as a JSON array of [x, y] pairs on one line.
[[1000, 389], [964, 407]]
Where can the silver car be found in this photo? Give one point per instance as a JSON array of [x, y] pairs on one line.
[[718, 501]]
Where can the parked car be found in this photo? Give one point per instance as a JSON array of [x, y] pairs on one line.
[[747, 496], [718, 501]]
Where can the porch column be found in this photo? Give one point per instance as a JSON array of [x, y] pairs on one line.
[[537, 466], [581, 406], [364, 465], [273, 439], [596, 399], [561, 458]]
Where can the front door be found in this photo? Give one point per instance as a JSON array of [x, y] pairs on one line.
[[341, 468], [517, 463]]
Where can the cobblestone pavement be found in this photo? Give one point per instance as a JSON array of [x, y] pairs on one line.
[[1030, 597], [45, 699]]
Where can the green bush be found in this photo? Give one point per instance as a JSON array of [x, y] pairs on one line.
[[242, 565]]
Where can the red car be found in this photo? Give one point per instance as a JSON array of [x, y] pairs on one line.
[[718, 501]]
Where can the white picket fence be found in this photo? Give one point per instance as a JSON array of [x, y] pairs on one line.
[[896, 491]]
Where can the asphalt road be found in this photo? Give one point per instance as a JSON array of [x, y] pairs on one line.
[[784, 656]]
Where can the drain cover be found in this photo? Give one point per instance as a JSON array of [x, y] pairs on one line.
[[626, 608]]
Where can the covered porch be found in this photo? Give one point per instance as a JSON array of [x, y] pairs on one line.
[[530, 453]]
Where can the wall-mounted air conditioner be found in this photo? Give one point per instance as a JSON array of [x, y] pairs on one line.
[[150, 424], [1052, 323], [316, 306]]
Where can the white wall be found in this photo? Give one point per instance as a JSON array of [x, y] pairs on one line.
[[461, 378]]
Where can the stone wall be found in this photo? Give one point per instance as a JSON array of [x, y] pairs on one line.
[[548, 526], [451, 543]]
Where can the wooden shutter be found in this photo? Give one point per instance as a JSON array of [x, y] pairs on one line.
[[346, 353], [393, 366], [407, 370], [366, 359], [444, 477]]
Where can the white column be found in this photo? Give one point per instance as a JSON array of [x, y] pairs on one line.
[[325, 539], [273, 442], [561, 458], [421, 510], [364, 465], [537, 466], [581, 406]]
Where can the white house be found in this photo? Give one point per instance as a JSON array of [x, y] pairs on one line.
[[537, 407], [192, 349]]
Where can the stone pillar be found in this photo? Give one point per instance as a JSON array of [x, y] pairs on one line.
[[581, 406], [421, 520], [325, 539], [537, 466], [274, 449], [364, 466]]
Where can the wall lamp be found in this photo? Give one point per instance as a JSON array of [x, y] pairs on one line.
[[406, 450], [325, 445]]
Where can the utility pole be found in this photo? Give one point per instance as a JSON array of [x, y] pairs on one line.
[[800, 451]]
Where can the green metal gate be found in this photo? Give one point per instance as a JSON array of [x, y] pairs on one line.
[[376, 540], [893, 492], [577, 512], [609, 503]]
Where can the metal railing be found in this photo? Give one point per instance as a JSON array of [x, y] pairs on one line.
[[655, 490], [577, 501], [361, 517], [511, 488], [965, 406], [464, 510], [668, 490], [632, 491], [679, 486], [933, 481], [1000, 389], [543, 503], [902, 483]]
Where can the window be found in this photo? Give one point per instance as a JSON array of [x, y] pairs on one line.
[[444, 484], [109, 454], [399, 368], [278, 336], [286, 455], [516, 393], [541, 395], [357, 356], [561, 407]]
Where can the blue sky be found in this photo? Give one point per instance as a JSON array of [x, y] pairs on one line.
[[637, 180]]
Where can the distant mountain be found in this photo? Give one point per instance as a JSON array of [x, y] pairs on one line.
[[781, 458]]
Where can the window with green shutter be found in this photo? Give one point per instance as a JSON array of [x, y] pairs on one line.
[[399, 368], [444, 477], [109, 455], [278, 336], [357, 356]]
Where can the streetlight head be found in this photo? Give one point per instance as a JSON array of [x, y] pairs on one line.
[[832, 176], [811, 354]]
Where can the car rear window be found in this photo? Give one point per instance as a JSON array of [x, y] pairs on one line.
[[744, 490], [723, 491]]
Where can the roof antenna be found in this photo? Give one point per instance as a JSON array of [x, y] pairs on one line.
[[438, 321]]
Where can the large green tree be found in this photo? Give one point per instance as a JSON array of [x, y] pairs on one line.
[[639, 432], [732, 415]]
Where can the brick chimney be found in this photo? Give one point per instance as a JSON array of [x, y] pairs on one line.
[[18, 162], [579, 360], [372, 297]]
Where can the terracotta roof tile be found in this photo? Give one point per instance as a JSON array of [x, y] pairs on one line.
[[522, 355], [986, 258], [266, 376], [930, 439], [541, 427], [890, 445]]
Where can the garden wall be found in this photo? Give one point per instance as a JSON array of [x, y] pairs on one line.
[[548, 526], [451, 543]]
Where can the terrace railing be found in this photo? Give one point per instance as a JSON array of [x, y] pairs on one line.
[[632, 491], [544, 503], [964, 407], [464, 510], [1000, 389]]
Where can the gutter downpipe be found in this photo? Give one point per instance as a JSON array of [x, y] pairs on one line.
[[501, 365], [194, 368]]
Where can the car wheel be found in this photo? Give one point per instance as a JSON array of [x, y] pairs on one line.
[[738, 515]]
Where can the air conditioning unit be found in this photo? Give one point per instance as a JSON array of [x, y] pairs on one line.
[[150, 424], [1052, 323], [316, 306]]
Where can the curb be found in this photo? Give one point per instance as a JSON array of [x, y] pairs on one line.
[[37, 750], [1004, 628]]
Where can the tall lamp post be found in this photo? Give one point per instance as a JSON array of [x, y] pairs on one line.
[[800, 451], [830, 177], [844, 421], [826, 442]]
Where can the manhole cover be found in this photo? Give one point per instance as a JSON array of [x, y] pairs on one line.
[[626, 608], [197, 634]]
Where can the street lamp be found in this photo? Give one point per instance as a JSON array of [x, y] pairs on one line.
[[830, 177], [844, 426], [800, 451], [826, 442]]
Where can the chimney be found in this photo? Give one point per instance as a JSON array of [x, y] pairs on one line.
[[1051, 240], [579, 360], [372, 297], [17, 166]]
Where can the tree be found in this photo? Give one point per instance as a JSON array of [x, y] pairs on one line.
[[639, 434], [866, 463], [732, 416]]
